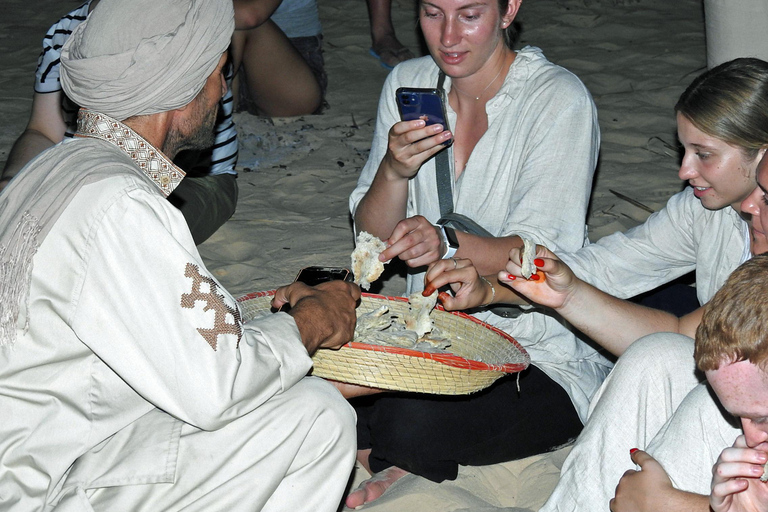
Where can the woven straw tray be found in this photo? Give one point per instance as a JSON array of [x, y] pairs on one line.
[[480, 353]]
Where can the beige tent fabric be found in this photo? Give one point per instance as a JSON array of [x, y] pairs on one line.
[[143, 57], [735, 28]]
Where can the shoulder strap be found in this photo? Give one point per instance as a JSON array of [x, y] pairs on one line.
[[443, 166]]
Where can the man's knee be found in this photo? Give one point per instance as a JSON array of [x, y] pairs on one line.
[[332, 416]]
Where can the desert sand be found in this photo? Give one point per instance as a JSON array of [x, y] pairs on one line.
[[635, 56]]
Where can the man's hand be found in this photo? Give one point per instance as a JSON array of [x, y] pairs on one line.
[[736, 485], [650, 490], [324, 314]]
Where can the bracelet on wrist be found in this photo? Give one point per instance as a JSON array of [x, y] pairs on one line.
[[493, 293]]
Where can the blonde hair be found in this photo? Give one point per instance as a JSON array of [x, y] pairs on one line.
[[734, 326], [730, 102]]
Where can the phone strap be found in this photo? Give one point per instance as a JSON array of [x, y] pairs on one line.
[[443, 165]]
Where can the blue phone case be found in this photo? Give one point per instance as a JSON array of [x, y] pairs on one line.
[[424, 104], [414, 103]]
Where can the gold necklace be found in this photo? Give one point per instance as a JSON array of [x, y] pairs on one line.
[[477, 98]]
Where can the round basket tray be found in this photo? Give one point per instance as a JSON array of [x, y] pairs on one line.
[[480, 353]]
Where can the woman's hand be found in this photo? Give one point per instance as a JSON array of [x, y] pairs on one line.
[[415, 241], [553, 284], [735, 479], [411, 143], [469, 289]]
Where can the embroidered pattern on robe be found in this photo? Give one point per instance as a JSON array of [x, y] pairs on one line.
[[205, 289]]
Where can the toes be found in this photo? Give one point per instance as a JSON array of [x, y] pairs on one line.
[[357, 497]]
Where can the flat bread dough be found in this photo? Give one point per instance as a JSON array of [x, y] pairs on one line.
[[417, 319], [366, 266], [529, 254], [414, 329]]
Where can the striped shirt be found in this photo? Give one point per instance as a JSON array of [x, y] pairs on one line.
[[223, 154]]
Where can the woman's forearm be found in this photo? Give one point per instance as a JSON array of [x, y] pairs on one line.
[[613, 323], [384, 205]]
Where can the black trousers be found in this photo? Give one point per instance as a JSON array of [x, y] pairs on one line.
[[431, 435]]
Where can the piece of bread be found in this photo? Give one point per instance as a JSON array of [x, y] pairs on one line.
[[365, 259], [417, 319], [528, 268]]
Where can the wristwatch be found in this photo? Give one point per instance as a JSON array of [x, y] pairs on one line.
[[450, 240]]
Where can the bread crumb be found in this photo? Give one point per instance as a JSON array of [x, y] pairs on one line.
[[366, 266]]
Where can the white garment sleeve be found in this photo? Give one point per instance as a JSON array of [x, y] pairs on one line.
[[153, 313], [646, 256], [548, 203]]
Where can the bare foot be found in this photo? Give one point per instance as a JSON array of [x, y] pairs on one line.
[[372, 489], [389, 50]]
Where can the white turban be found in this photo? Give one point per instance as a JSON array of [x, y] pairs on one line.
[[140, 57]]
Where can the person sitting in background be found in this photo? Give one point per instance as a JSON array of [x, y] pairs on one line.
[[277, 56]]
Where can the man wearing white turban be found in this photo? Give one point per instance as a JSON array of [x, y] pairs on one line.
[[128, 379]]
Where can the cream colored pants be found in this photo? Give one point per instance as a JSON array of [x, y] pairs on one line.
[[652, 400], [294, 453]]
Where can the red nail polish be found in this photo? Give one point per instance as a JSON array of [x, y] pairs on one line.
[[535, 277], [633, 450], [428, 291], [538, 262], [511, 277]]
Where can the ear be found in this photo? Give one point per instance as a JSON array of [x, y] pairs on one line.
[[509, 16]]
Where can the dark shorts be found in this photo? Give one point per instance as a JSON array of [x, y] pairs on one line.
[[206, 202], [311, 50]]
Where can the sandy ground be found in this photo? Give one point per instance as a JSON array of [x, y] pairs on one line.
[[635, 56]]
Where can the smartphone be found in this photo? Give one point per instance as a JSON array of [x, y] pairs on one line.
[[315, 275], [426, 104]]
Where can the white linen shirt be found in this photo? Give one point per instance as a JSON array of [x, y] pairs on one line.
[[682, 237], [125, 319], [530, 174]]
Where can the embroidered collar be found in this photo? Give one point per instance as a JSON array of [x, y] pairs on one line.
[[158, 167]]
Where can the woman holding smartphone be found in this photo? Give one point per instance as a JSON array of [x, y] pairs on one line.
[[525, 143]]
